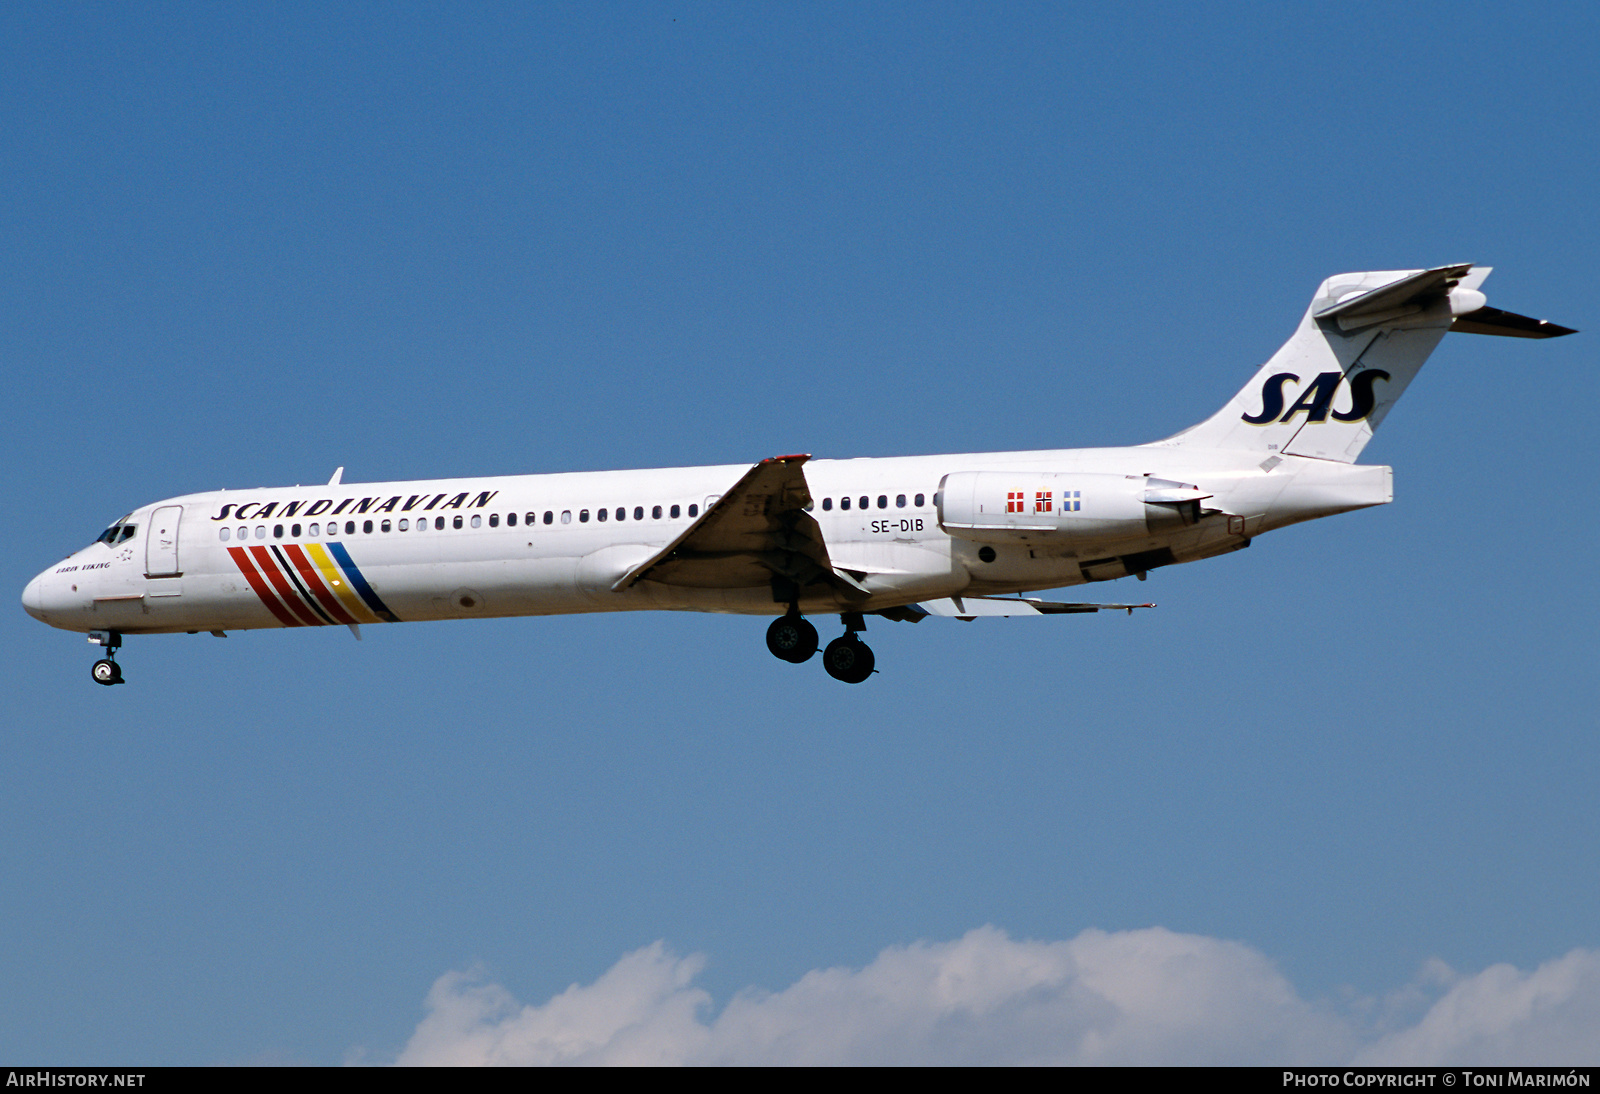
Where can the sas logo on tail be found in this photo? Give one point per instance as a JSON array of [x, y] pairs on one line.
[[1317, 399]]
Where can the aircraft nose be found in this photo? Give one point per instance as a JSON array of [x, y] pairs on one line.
[[33, 597]]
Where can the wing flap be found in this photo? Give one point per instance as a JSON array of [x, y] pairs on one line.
[[972, 607]]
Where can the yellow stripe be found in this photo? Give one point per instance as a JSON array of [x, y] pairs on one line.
[[341, 588]]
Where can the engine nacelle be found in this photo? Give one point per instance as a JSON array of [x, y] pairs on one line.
[[1069, 508]]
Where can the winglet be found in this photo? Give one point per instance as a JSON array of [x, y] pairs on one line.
[[337, 477]]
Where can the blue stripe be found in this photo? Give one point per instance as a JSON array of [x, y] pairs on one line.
[[358, 582]]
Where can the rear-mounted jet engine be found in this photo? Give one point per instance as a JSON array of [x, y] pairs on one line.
[[1064, 509]]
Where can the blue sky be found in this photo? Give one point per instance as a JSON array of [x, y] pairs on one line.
[[246, 246]]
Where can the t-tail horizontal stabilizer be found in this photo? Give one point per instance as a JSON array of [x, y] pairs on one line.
[[1361, 341], [1507, 324]]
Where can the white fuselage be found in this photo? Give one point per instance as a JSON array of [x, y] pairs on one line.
[[536, 544]]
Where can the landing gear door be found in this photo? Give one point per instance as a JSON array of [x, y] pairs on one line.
[[161, 545]]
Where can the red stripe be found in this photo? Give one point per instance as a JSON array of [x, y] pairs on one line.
[[269, 566], [313, 579], [242, 560]]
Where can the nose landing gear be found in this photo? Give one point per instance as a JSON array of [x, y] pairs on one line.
[[106, 670]]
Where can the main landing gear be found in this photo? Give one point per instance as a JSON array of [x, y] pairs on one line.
[[791, 638], [106, 670]]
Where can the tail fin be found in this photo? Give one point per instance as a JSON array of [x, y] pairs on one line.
[[1359, 344]]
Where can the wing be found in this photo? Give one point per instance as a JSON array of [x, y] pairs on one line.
[[971, 607], [756, 533]]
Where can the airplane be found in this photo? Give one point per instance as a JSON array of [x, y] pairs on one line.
[[958, 536]]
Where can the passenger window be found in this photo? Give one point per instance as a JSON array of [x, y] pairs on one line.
[[404, 525], [261, 531], [349, 528], [494, 520], [566, 517], [622, 514], [244, 533], [844, 503], [477, 520], [655, 512], [694, 510], [899, 501], [919, 501], [455, 521], [511, 520], [583, 516], [224, 534], [295, 531], [438, 524], [827, 505], [674, 512], [638, 512], [384, 526], [366, 527], [277, 531], [864, 502], [603, 514]]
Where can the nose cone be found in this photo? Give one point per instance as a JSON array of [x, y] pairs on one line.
[[33, 597]]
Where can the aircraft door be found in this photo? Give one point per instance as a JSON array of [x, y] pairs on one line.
[[161, 545]]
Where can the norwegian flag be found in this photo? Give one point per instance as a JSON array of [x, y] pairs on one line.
[[1043, 501]]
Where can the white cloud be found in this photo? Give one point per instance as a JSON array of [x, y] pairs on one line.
[[1130, 997], [1506, 1016], [641, 1011]]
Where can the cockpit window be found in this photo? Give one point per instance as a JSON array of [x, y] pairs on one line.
[[117, 533]]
